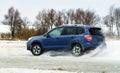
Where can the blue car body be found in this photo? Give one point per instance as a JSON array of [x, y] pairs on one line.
[[64, 42]]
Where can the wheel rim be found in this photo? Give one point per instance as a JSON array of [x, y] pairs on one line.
[[76, 50], [36, 50]]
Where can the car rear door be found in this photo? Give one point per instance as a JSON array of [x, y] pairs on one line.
[[67, 35]]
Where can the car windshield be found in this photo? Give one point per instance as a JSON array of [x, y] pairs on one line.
[[55, 32]]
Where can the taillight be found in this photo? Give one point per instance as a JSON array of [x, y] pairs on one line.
[[88, 37]]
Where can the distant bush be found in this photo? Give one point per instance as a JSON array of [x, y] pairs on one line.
[[25, 33], [5, 36]]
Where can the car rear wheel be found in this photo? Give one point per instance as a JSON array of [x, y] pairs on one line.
[[36, 49], [76, 50]]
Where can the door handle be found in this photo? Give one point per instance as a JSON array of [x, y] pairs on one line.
[[72, 37], [57, 38]]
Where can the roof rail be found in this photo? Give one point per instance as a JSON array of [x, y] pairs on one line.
[[73, 25], [77, 25]]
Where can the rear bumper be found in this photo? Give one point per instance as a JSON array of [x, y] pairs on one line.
[[94, 46]]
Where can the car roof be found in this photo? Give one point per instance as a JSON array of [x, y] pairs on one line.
[[79, 25]]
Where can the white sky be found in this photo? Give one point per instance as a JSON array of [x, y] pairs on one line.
[[30, 8]]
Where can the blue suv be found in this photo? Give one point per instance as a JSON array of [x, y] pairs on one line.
[[76, 39]]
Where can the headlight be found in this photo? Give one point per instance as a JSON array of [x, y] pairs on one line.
[[29, 38]]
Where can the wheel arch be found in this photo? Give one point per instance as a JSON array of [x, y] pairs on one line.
[[74, 43], [37, 42]]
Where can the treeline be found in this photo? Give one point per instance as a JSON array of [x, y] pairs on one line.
[[56, 18], [112, 21], [47, 19]]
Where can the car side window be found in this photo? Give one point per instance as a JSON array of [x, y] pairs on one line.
[[68, 31], [55, 32], [79, 30]]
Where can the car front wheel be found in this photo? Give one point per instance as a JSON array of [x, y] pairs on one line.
[[36, 49], [76, 50]]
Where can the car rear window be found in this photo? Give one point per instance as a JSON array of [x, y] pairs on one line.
[[95, 31]]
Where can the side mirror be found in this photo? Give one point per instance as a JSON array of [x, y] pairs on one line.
[[46, 35]]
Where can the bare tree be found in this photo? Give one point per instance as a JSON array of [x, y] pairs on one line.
[[113, 20], [51, 17], [109, 21], [26, 22], [65, 17], [42, 22], [79, 16], [14, 20], [90, 18], [46, 17], [117, 20], [59, 20], [85, 17]]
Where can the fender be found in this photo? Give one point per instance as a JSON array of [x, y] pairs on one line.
[[37, 41], [77, 41]]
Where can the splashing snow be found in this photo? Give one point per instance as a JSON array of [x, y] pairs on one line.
[[18, 48]]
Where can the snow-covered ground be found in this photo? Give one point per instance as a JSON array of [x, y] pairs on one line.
[[21, 70], [14, 58]]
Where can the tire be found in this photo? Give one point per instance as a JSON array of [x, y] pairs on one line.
[[76, 50], [36, 49]]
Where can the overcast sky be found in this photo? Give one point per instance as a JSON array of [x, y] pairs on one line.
[[30, 8]]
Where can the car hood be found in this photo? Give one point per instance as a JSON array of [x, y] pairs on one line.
[[41, 36], [36, 37]]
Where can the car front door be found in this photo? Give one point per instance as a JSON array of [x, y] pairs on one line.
[[51, 40]]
